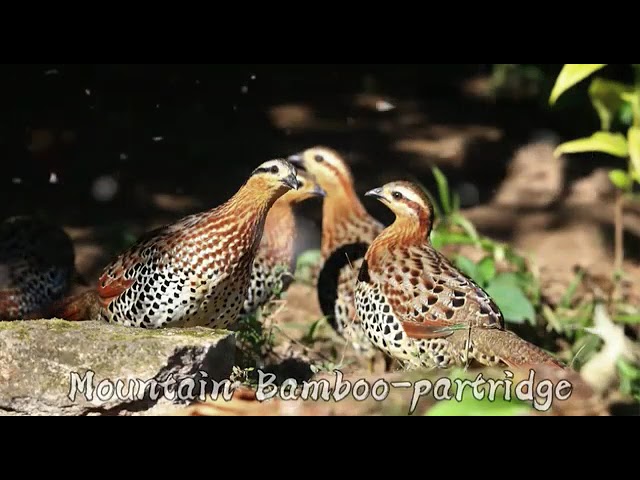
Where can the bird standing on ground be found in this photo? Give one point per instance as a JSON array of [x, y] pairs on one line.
[[415, 306], [274, 266], [193, 273], [347, 232], [37, 267]]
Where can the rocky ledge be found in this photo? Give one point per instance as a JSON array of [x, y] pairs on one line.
[[54, 367]]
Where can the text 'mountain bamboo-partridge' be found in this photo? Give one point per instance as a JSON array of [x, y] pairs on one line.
[[37, 267], [347, 232], [415, 306], [274, 266], [195, 272]]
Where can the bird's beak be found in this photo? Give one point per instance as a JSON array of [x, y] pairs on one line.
[[376, 193], [318, 191], [291, 182], [297, 160]]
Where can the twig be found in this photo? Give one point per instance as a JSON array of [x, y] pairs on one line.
[[619, 241]]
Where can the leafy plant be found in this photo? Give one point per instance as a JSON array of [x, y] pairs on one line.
[[466, 404], [448, 210], [611, 100], [254, 341], [307, 265], [630, 379], [515, 291], [507, 289]]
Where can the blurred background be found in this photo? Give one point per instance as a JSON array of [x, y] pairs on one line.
[[112, 150]]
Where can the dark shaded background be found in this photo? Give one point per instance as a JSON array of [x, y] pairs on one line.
[[214, 127]]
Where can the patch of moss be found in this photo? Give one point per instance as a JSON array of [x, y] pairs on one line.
[[131, 334], [61, 325]]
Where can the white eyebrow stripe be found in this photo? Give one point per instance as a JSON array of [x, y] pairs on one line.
[[410, 195]]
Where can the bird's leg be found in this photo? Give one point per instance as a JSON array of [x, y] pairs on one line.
[[372, 364], [388, 363]]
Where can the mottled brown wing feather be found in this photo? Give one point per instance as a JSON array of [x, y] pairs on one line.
[[110, 288], [428, 330], [424, 288]]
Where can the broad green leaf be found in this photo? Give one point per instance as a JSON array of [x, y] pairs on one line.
[[309, 258], [571, 75], [510, 298], [607, 99], [621, 179], [486, 407], [610, 143], [487, 270], [508, 279], [634, 148], [468, 267]]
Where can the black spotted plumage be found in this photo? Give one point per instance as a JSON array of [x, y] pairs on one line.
[[419, 309], [37, 266]]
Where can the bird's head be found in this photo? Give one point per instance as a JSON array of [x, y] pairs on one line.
[[410, 204], [327, 166], [274, 178], [308, 189]]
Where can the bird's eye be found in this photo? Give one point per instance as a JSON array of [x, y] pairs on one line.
[[397, 196], [275, 170], [300, 183], [319, 158]]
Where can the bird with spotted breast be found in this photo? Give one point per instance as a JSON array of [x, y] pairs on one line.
[[37, 267], [419, 309], [193, 273], [274, 265], [347, 231]]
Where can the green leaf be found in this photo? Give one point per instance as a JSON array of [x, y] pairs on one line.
[[634, 100], [621, 179], [472, 407], [607, 99], [468, 268], [629, 379], [487, 270], [634, 148], [571, 75], [610, 143], [466, 225], [510, 298], [443, 190], [571, 291], [625, 115], [628, 319], [309, 258]]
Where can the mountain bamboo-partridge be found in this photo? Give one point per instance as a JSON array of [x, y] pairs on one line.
[[274, 266], [347, 232], [37, 267], [415, 306], [195, 272]]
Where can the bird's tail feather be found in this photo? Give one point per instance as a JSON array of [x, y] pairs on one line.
[[79, 308], [510, 349]]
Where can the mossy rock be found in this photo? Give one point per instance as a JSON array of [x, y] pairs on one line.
[[45, 366]]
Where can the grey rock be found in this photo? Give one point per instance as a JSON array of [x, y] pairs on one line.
[[57, 368]]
